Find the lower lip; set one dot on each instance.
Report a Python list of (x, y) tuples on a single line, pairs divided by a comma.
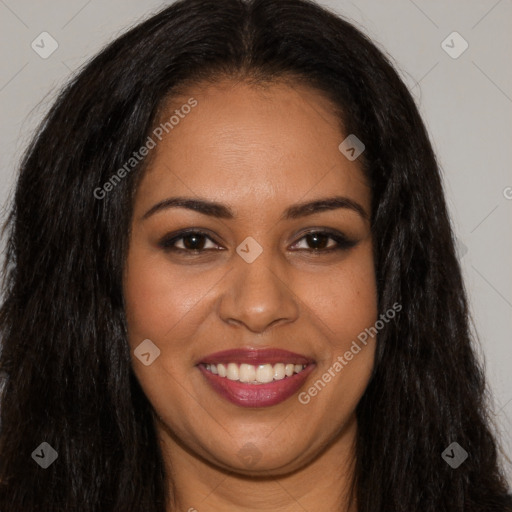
[(257, 395)]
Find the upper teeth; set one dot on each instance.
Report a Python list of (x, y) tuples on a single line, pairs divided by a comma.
[(261, 374)]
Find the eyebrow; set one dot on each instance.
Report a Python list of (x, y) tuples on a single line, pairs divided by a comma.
[(221, 211)]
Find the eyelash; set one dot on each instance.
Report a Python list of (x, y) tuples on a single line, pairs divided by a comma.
[(343, 243)]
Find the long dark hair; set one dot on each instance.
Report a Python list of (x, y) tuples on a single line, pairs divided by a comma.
[(69, 380)]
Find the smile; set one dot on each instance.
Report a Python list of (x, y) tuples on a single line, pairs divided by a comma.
[(261, 374), (256, 378)]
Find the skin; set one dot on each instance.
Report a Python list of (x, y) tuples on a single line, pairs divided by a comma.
[(257, 150)]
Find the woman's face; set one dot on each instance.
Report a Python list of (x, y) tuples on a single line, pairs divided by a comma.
[(252, 281)]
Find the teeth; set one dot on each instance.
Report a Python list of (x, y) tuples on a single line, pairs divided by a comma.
[(233, 371), (221, 369), (279, 371), (247, 373), (261, 374), (265, 373)]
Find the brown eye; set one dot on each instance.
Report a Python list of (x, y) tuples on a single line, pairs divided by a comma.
[(188, 241), (318, 241), (194, 242)]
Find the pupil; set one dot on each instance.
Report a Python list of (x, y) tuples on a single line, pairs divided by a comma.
[(314, 239), (192, 246)]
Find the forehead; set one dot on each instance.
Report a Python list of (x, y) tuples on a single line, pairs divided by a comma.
[(243, 143)]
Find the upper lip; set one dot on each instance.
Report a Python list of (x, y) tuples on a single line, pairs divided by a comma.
[(255, 357)]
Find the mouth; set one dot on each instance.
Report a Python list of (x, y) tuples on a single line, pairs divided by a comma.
[(256, 378)]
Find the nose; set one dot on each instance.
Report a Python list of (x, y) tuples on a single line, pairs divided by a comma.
[(258, 295)]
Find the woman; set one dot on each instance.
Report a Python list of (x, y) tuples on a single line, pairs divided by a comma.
[(231, 283)]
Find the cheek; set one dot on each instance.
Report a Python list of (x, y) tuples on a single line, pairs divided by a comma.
[(164, 305), (345, 299), (158, 298), (345, 305)]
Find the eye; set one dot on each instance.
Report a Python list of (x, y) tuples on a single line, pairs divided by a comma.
[(187, 241), (194, 242), (320, 241)]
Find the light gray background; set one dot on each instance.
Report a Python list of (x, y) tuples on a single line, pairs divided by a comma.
[(466, 103)]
